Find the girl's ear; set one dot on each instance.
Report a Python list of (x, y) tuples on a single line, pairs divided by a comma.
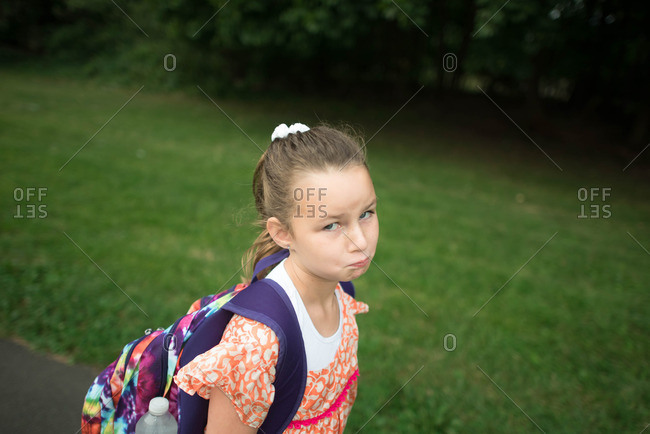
[(278, 232)]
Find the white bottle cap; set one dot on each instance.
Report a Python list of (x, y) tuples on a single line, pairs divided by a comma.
[(158, 406)]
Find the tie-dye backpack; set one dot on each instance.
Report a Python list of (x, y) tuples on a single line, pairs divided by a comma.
[(120, 395)]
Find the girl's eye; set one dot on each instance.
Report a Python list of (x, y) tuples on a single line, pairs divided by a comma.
[(331, 227), (366, 215)]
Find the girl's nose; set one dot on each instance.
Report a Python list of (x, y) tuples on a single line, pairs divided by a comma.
[(357, 238)]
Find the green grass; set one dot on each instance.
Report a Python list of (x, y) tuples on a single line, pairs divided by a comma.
[(160, 200)]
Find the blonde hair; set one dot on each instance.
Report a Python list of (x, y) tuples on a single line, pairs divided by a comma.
[(319, 149)]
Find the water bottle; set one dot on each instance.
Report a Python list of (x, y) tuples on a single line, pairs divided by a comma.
[(158, 420)]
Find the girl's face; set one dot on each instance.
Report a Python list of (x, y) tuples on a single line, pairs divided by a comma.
[(334, 224)]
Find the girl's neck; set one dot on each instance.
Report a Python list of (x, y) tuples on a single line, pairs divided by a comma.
[(313, 290)]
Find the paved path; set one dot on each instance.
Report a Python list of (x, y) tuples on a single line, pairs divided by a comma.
[(40, 394)]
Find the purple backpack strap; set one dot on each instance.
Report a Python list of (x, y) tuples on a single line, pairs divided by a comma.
[(264, 301), (270, 305), (348, 287), (192, 409), (267, 261)]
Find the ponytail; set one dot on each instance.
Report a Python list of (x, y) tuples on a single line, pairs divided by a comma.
[(262, 247)]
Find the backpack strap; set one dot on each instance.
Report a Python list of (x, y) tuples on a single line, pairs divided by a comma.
[(269, 304), (348, 287), (264, 301), (192, 409), (267, 261)]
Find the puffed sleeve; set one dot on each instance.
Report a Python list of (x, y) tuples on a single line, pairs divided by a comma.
[(242, 365)]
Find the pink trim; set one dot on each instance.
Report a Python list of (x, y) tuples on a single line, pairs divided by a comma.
[(335, 406)]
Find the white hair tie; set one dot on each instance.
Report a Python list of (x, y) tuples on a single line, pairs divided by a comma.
[(282, 131)]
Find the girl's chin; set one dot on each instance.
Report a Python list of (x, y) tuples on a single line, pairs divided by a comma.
[(356, 273), (346, 274)]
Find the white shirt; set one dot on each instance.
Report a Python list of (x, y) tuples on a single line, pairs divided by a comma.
[(320, 350)]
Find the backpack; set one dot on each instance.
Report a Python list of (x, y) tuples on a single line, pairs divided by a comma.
[(120, 394)]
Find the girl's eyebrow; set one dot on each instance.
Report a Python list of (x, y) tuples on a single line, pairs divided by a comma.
[(338, 216)]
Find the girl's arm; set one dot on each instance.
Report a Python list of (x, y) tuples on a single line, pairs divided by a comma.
[(222, 417)]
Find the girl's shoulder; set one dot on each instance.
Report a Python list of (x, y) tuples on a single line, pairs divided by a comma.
[(242, 366), (249, 331)]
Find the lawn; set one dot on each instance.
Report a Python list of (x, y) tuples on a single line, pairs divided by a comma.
[(155, 210)]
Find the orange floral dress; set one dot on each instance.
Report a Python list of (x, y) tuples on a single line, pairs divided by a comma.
[(242, 365)]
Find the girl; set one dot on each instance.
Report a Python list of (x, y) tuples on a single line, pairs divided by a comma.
[(314, 197)]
